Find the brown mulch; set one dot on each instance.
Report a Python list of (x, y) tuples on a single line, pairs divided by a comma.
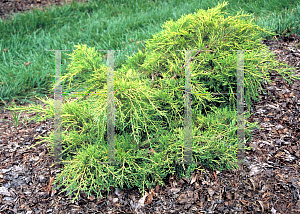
[(9, 7), (268, 182)]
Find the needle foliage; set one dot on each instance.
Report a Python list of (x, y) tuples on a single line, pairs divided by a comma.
[(149, 104)]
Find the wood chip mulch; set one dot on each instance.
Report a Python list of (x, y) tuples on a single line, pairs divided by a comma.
[(9, 7), (268, 182)]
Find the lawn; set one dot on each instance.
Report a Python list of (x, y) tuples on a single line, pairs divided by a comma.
[(26, 68)]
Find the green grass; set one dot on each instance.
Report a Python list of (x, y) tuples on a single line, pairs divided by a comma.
[(123, 25)]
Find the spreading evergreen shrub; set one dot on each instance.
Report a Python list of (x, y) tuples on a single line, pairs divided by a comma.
[(149, 104)]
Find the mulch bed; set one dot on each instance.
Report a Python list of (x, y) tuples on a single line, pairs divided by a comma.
[(268, 182), (9, 7)]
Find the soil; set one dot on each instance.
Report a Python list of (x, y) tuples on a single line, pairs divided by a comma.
[(268, 181)]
